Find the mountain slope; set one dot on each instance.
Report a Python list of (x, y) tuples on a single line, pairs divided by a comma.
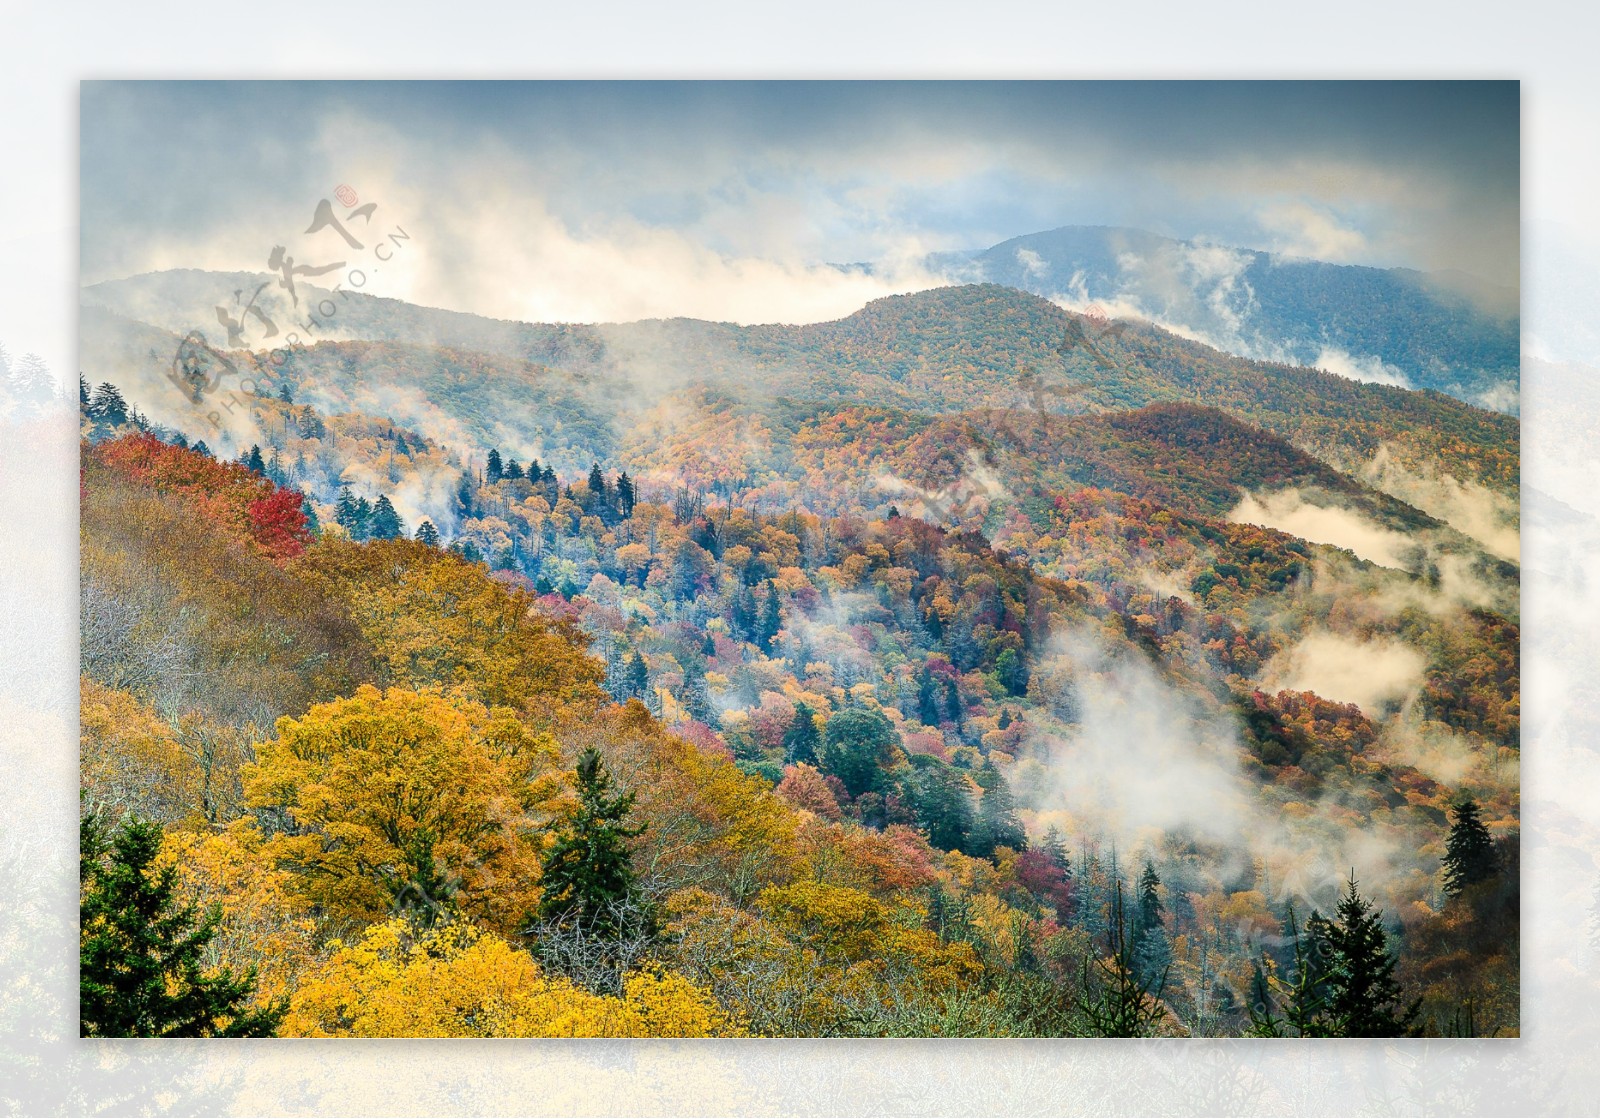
[(942, 350), (1432, 329)]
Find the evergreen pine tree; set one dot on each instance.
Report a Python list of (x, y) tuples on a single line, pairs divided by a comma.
[(495, 470), (697, 696), (771, 620), (1151, 913), (254, 462), (1054, 848), (466, 497), (927, 699), (346, 515), (997, 824), (363, 519), (141, 955), (32, 384), (200, 448), (1304, 998), (1115, 998), (107, 409), (427, 534), (626, 497), (952, 702), (1470, 856), (284, 394), (943, 804), (638, 680), (1093, 896), (1366, 999), (1152, 950), (800, 741), (385, 523), (588, 880), (744, 614)]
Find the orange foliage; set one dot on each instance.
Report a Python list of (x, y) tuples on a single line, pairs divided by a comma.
[(243, 503)]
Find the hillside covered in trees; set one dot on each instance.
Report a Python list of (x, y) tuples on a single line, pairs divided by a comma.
[(964, 667), (1436, 331)]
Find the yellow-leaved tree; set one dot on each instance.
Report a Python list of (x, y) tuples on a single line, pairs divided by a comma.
[(457, 981), (431, 618), (410, 800), (130, 761), (709, 823), (264, 923)]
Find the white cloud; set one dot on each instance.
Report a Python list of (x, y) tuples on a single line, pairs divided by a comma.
[(1033, 262), (1490, 518), (1351, 367), (1369, 674), (1302, 229), (1288, 511)]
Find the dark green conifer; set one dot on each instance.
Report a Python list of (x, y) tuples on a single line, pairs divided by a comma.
[(1366, 1000), (638, 683), (142, 969), (800, 741), (385, 523), (1470, 856), (588, 878)]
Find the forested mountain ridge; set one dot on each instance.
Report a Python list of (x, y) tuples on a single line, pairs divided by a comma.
[(1439, 331), (947, 349)]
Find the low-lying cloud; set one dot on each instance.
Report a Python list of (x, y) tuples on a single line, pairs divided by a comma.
[(1288, 511), (1375, 675), (1352, 367), (1488, 517)]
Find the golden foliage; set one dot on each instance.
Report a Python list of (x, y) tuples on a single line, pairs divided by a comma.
[(456, 981), (266, 924), (434, 619), (813, 959), (129, 761), (393, 794), (710, 824)]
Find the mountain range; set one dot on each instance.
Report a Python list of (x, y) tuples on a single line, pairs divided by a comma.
[(1444, 331)]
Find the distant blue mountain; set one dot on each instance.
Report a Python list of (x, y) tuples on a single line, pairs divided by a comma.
[(1426, 330)]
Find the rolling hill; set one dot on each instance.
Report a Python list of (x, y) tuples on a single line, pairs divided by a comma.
[(1434, 330)]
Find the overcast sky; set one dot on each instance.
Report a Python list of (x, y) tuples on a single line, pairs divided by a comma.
[(586, 201)]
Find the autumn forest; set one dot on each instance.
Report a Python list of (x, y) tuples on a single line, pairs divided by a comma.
[(965, 667)]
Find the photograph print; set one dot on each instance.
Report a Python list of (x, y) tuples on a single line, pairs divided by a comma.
[(799, 559)]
